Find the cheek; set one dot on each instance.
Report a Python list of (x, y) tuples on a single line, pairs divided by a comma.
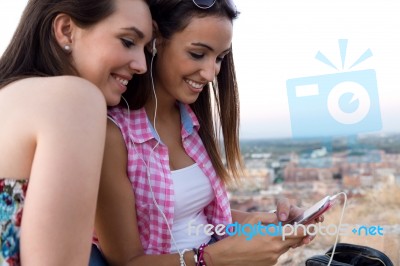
[(82, 61), (169, 79), (173, 70), (92, 65), (166, 71)]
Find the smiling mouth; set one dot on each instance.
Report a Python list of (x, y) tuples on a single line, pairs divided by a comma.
[(194, 84), (121, 80)]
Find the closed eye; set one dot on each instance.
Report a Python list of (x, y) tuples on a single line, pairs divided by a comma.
[(127, 43), (219, 59), (222, 56), (196, 55)]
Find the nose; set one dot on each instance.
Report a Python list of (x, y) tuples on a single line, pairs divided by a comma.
[(210, 70), (138, 63)]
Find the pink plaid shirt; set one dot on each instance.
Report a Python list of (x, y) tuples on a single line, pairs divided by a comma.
[(153, 229)]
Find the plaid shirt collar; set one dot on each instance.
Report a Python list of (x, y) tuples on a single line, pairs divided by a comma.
[(188, 119)]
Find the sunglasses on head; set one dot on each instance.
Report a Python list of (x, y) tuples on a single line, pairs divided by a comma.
[(205, 4)]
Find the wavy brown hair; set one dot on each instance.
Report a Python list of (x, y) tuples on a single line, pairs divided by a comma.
[(34, 51), (217, 108)]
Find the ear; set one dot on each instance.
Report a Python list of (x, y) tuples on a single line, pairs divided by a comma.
[(63, 28), (156, 35)]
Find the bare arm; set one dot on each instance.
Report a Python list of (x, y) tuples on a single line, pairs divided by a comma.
[(116, 225), (69, 131)]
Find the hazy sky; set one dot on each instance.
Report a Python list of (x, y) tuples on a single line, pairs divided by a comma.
[(275, 41)]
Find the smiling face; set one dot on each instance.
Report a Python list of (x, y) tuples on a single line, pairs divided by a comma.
[(192, 58), (109, 53)]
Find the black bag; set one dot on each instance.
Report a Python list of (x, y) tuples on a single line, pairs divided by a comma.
[(351, 255)]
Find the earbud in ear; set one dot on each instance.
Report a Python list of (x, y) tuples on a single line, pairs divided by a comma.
[(154, 49)]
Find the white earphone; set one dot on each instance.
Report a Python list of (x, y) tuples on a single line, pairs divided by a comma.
[(154, 49)]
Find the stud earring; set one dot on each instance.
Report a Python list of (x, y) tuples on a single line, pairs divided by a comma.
[(67, 48)]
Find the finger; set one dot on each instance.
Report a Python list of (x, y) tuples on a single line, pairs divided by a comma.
[(307, 239), (283, 208), (319, 219), (295, 212), (293, 232), (310, 229), (311, 237)]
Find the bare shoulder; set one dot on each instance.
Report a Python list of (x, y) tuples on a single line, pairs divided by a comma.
[(52, 101), (60, 88), (45, 111), (62, 91)]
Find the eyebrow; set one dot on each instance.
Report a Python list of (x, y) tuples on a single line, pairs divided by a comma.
[(208, 47), (136, 30)]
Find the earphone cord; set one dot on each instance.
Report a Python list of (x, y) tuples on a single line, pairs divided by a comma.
[(158, 142), (340, 223), (155, 99), (147, 165)]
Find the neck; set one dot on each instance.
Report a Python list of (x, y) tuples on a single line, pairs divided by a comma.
[(166, 109)]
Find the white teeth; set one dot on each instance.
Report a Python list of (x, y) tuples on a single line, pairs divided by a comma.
[(194, 84), (122, 81)]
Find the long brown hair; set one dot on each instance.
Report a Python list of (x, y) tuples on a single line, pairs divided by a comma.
[(173, 16), (34, 51)]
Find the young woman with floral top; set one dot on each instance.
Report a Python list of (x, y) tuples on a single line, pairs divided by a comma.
[(67, 60)]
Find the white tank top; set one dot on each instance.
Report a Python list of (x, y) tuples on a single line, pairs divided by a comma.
[(193, 192)]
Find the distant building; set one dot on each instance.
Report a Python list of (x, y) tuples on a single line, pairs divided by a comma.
[(351, 181)]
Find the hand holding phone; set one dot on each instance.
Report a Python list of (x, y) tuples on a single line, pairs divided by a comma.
[(314, 212)]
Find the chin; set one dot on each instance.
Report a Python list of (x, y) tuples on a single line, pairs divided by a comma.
[(113, 101), (189, 100)]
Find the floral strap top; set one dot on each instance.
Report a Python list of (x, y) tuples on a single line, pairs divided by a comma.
[(12, 195)]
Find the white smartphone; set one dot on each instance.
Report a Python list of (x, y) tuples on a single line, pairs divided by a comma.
[(314, 212)]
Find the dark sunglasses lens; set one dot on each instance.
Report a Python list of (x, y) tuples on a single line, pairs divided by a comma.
[(204, 3), (231, 4)]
